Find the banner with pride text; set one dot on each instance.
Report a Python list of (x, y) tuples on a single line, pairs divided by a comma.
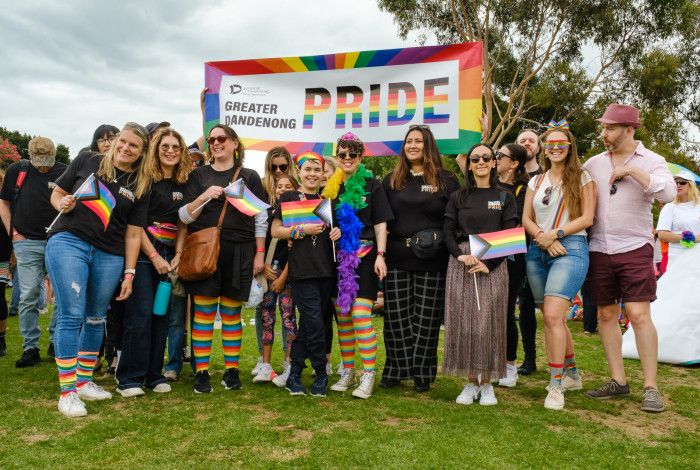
[(306, 103)]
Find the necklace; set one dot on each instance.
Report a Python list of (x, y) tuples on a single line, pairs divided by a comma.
[(124, 173), (416, 173)]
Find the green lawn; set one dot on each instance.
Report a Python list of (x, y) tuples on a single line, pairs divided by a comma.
[(261, 426)]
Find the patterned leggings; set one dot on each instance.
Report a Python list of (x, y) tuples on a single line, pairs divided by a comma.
[(357, 326), (203, 330), (269, 316)]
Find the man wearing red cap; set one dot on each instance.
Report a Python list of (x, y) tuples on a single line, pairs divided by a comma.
[(629, 178)]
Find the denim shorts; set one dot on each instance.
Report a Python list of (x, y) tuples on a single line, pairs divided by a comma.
[(560, 276)]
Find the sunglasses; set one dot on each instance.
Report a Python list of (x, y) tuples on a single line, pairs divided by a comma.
[(485, 157), (499, 155), (613, 188), (165, 147), (283, 167), (681, 182), (554, 144), (220, 139), (347, 155), (547, 195)]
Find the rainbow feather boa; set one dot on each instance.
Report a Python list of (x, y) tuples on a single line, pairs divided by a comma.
[(350, 226), (688, 239)]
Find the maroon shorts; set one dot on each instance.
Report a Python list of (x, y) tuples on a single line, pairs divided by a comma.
[(622, 277)]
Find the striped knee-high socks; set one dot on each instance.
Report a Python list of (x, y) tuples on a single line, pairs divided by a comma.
[(364, 332), (231, 331), (66, 374), (346, 339), (203, 330), (85, 367)]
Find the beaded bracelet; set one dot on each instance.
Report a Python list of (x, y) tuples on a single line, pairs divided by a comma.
[(296, 232)]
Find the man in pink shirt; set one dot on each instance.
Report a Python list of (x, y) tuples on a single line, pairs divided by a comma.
[(628, 178)]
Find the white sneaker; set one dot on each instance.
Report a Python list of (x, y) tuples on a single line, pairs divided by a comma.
[(162, 388), (329, 369), (93, 392), (469, 393), (364, 390), (72, 406), (265, 374), (570, 383), (511, 378), (281, 379), (488, 396), (257, 367), (347, 380), (339, 369), (131, 392), (555, 398), (170, 375)]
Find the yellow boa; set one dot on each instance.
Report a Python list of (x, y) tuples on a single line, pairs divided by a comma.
[(333, 185)]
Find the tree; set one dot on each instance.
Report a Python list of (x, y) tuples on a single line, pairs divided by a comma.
[(21, 142), (535, 52)]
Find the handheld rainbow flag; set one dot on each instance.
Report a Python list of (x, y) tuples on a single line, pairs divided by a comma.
[(243, 199), (324, 211), (164, 233), (498, 244), (301, 212), (100, 200), (87, 190)]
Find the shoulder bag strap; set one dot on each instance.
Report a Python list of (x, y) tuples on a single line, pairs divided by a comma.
[(226, 203)]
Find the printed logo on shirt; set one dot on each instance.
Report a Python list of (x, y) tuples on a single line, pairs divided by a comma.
[(177, 196), (364, 198), (52, 185), (495, 205), (428, 188), (126, 193)]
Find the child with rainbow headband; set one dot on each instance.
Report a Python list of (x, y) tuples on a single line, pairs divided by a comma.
[(311, 275), (361, 211)]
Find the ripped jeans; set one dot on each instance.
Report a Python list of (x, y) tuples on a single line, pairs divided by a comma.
[(84, 280)]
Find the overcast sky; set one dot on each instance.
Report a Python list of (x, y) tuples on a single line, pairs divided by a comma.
[(69, 66)]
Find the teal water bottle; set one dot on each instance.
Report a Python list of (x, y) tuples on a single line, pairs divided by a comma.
[(162, 299)]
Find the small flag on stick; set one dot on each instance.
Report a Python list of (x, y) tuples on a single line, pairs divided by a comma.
[(243, 199)]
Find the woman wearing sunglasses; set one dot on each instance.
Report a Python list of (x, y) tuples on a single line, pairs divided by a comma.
[(681, 218), (559, 207), (414, 291), (475, 307), (242, 253)]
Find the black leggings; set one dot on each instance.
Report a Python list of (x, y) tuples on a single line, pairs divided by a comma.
[(528, 322), (516, 276), (3, 302)]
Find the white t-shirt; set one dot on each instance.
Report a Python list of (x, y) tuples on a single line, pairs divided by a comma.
[(678, 218), (547, 215)]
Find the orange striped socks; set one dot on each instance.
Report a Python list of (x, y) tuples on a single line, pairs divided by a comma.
[(364, 332), (231, 331), (85, 367), (66, 374), (203, 330)]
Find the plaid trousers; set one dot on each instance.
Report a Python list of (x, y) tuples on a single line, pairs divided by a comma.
[(414, 308)]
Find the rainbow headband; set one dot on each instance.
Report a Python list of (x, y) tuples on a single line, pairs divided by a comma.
[(304, 157)]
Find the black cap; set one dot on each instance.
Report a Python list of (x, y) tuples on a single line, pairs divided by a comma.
[(152, 127)]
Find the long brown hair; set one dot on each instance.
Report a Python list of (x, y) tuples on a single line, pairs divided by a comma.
[(183, 167), (432, 164), (571, 177), (269, 177), (107, 171)]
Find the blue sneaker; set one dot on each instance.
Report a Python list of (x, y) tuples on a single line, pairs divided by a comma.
[(294, 385), (319, 387)]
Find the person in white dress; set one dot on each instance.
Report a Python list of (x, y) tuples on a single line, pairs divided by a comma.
[(680, 216)]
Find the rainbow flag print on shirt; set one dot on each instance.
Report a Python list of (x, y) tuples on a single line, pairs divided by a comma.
[(243, 199), (498, 244), (300, 212), (97, 197)]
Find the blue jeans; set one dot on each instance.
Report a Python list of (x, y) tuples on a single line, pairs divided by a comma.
[(14, 303), (30, 287), (84, 280), (560, 276), (176, 332)]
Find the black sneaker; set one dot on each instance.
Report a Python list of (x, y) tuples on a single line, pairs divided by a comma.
[(389, 383), (51, 352), (527, 367), (3, 346), (420, 385), (294, 385), (320, 386), (202, 382), (230, 380), (29, 358), (609, 390)]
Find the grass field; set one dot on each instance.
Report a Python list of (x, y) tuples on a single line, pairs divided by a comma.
[(261, 426)]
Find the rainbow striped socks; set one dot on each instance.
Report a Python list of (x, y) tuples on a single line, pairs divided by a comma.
[(570, 366), (364, 332), (85, 367), (203, 330), (231, 331), (555, 372), (66, 374), (346, 339)]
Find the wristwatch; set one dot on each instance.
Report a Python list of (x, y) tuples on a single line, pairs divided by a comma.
[(560, 234)]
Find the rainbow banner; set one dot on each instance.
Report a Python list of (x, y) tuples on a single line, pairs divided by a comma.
[(243, 199), (305, 103), (95, 195), (301, 212), (498, 244)]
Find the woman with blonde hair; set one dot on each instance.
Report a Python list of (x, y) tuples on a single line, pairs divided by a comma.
[(559, 207), (679, 222), (103, 204)]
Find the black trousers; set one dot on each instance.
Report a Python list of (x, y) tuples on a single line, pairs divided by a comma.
[(516, 277), (528, 322), (590, 311), (311, 297)]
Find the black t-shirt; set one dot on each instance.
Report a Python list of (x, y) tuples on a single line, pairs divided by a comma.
[(86, 220), (375, 212), (166, 199), (237, 227), (538, 171), (483, 210), (417, 206), (281, 248), (32, 212), (518, 191), (308, 259)]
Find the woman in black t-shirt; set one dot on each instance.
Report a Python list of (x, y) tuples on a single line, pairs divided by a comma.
[(418, 189), (145, 334), (242, 253), (361, 211), (103, 202), (475, 307)]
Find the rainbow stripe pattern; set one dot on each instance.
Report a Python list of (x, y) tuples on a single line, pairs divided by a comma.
[(300, 212), (498, 244), (165, 233), (324, 211), (365, 248), (468, 55), (559, 214), (243, 199), (66, 374), (97, 197)]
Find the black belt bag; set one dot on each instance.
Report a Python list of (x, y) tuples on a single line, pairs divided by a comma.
[(426, 244)]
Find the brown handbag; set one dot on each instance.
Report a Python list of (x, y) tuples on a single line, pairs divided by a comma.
[(200, 254)]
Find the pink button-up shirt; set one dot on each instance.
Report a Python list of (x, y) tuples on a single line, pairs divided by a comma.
[(623, 221)]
